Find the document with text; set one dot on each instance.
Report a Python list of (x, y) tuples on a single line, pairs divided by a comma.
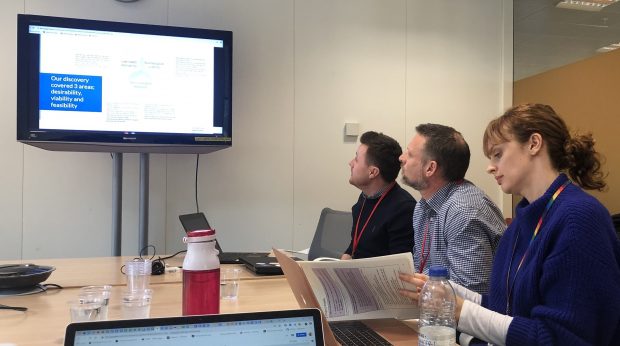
[(362, 288)]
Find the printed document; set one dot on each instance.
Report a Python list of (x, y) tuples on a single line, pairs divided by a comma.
[(362, 288)]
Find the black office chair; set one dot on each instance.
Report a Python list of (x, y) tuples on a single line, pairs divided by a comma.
[(616, 220), (332, 235)]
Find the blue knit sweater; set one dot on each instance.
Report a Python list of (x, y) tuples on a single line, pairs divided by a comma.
[(568, 289)]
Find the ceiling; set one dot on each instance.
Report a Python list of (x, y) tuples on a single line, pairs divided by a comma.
[(546, 37)]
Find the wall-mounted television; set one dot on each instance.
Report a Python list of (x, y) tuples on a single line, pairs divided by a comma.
[(89, 85)]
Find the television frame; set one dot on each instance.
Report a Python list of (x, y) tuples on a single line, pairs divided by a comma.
[(28, 107)]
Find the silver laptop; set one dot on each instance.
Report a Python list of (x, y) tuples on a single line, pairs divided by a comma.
[(269, 328), (345, 333)]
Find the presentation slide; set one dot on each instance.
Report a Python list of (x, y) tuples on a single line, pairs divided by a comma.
[(110, 81)]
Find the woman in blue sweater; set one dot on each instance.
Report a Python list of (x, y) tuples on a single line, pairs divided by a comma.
[(556, 274)]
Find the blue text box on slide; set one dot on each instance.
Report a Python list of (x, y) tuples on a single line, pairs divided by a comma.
[(69, 92)]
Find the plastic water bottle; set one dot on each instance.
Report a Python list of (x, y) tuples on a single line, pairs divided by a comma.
[(201, 274), (437, 304)]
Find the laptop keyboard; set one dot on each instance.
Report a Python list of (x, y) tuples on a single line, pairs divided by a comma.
[(353, 333)]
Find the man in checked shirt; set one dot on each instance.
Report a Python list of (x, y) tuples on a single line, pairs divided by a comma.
[(455, 224)]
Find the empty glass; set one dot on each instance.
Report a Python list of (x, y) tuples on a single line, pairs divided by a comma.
[(138, 273)]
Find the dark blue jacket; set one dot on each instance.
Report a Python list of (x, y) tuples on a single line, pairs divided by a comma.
[(390, 230), (567, 291)]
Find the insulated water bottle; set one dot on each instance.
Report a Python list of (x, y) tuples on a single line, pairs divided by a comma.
[(201, 274)]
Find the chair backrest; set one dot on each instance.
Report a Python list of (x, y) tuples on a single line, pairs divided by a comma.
[(332, 235), (616, 220)]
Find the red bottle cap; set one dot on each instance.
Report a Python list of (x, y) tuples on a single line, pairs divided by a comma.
[(201, 233)]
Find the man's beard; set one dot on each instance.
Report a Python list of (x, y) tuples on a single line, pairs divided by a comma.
[(418, 185)]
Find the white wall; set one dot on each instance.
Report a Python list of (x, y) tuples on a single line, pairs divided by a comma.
[(459, 73), (11, 152), (301, 70)]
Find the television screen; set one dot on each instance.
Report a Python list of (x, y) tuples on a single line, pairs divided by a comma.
[(87, 85)]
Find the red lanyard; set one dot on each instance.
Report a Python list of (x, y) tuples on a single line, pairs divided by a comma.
[(509, 287), (424, 259), (356, 236)]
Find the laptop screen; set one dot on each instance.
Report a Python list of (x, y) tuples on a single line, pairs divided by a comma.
[(192, 222), (290, 327), (197, 221)]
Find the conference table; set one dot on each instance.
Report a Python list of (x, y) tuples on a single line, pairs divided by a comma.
[(79, 272), (48, 312)]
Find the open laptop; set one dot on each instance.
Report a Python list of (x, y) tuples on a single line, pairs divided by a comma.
[(349, 333), (198, 221), (269, 328)]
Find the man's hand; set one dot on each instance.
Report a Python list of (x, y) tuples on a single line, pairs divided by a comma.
[(418, 280)]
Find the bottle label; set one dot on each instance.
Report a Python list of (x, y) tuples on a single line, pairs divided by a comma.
[(437, 336)]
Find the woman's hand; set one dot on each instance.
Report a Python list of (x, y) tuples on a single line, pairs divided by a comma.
[(418, 280)]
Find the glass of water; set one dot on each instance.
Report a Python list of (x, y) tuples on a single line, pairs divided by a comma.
[(86, 311), (229, 283), (96, 293), (136, 304)]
